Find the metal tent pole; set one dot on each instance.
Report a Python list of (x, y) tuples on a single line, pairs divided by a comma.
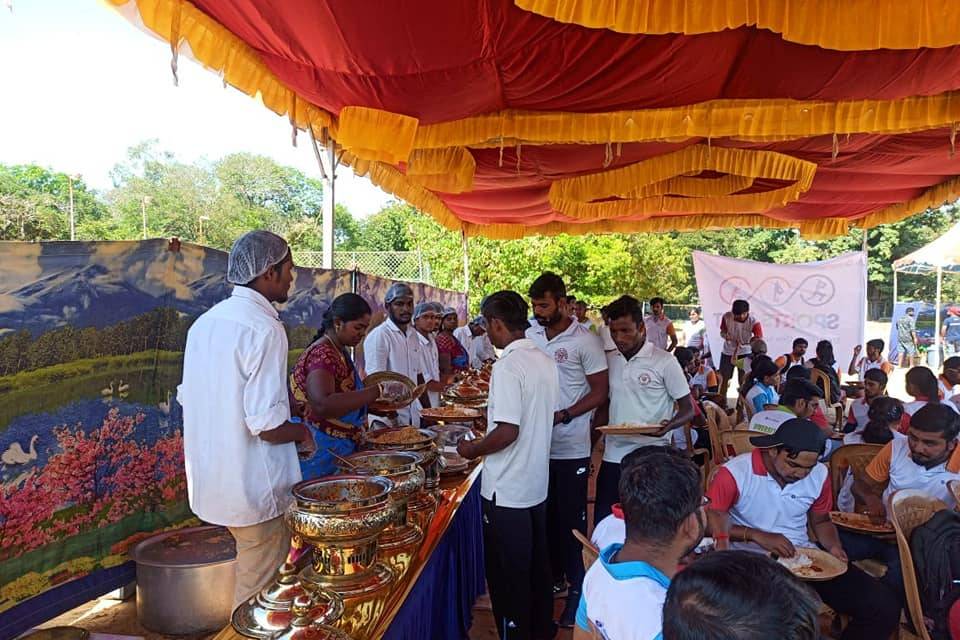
[(936, 318), (329, 200)]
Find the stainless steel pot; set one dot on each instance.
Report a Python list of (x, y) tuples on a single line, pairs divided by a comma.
[(185, 580)]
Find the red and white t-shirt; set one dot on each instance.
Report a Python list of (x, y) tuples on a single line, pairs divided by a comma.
[(910, 408), (739, 334), (744, 489)]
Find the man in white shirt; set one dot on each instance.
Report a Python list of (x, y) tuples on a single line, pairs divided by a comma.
[(624, 591), (873, 360), (874, 386), (240, 448), (774, 498), (426, 317), (394, 345), (798, 399), (581, 312), (473, 337), (583, 387), (524, 392), (660, 330), (645, 384)]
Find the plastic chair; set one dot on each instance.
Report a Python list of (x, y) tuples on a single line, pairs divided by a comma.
[(834, 410), (590, 551), (737, 442), (717, 422), (853, 458), (907, 510)]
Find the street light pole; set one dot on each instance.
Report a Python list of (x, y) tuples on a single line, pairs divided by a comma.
[(202, 218), (73, 219), (143, 212)]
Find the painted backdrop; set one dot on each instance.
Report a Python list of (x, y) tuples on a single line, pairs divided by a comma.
[(91, 454)]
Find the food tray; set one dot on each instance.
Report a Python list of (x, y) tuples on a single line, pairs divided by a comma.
[(860, 523), (388, 376)]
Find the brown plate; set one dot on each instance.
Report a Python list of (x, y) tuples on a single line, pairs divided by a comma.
[(389, 376), (453, 463), (859, 522), (824, 567), (58, 633), (630, 429)]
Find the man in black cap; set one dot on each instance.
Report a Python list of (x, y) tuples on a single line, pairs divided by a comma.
[(762, 501)]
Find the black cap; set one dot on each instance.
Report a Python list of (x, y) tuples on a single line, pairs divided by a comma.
[(798, 434)]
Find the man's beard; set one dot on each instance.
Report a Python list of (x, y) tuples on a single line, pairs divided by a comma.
[(703, 531), (547, 321)]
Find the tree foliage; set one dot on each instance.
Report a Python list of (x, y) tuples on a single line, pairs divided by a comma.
[(243, 191)]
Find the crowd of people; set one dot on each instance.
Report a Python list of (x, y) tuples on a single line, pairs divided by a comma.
[(556, 377)]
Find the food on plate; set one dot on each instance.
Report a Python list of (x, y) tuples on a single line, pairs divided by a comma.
[(860, 522), (797, 562), (406, 435), (450, 412)]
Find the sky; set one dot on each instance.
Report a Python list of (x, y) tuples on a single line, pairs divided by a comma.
[(79, 85)]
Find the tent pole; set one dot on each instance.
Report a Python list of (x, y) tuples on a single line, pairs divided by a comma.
[(936, 319), (464, 247), (894, 291), (329, 201)]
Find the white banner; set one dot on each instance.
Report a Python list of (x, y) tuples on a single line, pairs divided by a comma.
[(817, 300)]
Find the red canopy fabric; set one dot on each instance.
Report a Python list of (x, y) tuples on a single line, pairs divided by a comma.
[(432, 69)]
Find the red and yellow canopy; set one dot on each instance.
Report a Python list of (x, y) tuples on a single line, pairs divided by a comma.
[(506, 118)]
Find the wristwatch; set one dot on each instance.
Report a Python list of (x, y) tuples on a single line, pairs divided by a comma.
[(565, 416)]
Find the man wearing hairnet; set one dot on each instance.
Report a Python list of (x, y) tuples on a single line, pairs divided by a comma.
[(426, 320), (473, 337), (240, 447), (394, 346)]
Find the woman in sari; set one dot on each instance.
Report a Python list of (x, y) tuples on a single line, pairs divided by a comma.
[(453, 357), (326, 388)]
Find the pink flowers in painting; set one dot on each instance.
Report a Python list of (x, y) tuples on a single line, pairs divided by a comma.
[(94, 479)]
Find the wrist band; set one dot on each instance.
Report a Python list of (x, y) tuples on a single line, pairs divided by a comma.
[(721, 536)]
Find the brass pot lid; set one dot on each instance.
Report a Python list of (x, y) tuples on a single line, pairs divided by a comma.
[(58, 633), (303, 626), (270, 612), (382, 463), (342, 493)]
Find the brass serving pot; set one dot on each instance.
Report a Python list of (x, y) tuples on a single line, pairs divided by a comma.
[(341, 517), (427, 446), (401, 467)]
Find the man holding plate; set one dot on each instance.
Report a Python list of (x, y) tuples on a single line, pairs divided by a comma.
[(645, 384), (763, 501)]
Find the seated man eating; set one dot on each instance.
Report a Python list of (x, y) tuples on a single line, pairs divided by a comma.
[(764, 500), (623, 592)]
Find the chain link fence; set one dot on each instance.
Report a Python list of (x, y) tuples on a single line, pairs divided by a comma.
[(399, 265)]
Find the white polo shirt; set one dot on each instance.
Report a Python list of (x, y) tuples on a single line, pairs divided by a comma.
[(605, 339), (657, 330), (387, 348), (865, 364), (478, 348), (622, 600), (769, 420), (524, 390), (577, 354), (642, 391), (895, 466), (947, 390), (234, 388), (744, 489), (610, 530), (430, 364), (859, 414)]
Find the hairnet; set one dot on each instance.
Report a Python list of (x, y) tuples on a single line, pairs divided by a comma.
[(397, 290), (422, 308), (447, 311), (437, 307), (252, 254), (480, 321)]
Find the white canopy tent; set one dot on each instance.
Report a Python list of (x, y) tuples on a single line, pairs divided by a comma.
[(939, 257)]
